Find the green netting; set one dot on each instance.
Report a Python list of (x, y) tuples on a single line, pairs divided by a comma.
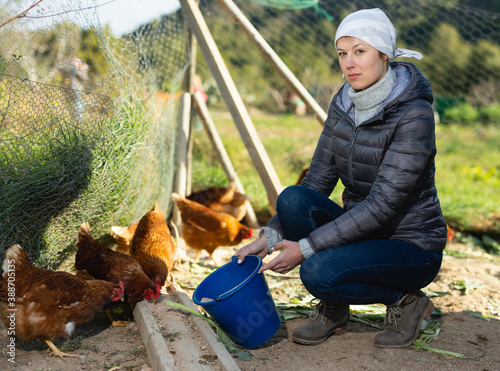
[(295, 5), (287, 4)]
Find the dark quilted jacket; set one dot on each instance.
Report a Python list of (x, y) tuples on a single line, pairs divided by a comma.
[(386, 166)]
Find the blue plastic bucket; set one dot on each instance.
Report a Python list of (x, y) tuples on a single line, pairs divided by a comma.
[(237, 297)]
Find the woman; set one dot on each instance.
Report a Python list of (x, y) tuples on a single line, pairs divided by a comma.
[(386, 242)]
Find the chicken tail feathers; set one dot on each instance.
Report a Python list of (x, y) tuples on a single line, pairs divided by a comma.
[(15, 253), (84, 232), (86, 242)]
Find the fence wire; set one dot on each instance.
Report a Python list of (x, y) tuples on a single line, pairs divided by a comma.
[(87, 122), (460, 44)]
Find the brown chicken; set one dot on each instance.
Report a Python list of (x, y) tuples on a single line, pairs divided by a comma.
[(123, 236), (99, 261), (153, 246), (40, 304), (222, 199), (205, 229)]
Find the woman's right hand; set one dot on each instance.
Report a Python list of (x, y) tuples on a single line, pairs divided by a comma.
[(256, 247)]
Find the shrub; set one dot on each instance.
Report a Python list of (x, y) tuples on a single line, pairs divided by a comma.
[(490, 114), (464, 113)]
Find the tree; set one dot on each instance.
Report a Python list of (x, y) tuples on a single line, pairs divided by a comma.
[(447, 60)]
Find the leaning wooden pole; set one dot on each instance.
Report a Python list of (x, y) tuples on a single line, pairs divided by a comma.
[(233, 100), (273, 59), (222, 155)]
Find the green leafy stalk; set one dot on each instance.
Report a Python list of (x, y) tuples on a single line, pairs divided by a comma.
[(479, 315), (230, 345), (356, 319), (192, 311), (465, 285), (427, 335), (422, 345)]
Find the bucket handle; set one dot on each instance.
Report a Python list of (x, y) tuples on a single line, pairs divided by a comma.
[(219, 298)]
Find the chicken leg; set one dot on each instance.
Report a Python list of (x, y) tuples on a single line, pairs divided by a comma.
[(56, 352), (115, 323)]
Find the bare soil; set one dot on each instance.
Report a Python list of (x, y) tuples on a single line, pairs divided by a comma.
[(461, 332), (102, 347), (98, 345)]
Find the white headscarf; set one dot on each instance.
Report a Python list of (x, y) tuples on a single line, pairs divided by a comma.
[(374, 27)]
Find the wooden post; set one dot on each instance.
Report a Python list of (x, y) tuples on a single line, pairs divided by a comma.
[(233, 100), (188, 87), (183, 134), (190, 72), (273, 59), (224, 159)]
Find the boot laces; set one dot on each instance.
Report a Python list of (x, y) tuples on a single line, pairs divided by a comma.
[(393, 315), (319, 306)]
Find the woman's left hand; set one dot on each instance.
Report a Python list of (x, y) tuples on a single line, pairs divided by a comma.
[(289, 257)]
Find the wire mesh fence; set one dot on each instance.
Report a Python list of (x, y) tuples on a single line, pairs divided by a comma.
[(88, 117), (460, 45), (84, 133)]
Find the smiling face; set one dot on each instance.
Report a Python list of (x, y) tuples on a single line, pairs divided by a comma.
[(361, 63)]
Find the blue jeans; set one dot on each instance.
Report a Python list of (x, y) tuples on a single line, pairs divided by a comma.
[(365, 272)]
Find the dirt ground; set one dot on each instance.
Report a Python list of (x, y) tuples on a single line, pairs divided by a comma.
[(98, 345), (461, 331), (469, 283)]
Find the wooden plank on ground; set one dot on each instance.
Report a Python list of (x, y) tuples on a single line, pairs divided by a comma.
[(160, 357), (192, 344), (208, 333)]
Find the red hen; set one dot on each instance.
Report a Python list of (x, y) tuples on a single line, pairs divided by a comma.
[(153, 246), (46, 304), (101, 262), (205, 229), (222, 199)]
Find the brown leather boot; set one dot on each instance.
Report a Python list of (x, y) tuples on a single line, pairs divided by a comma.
[(403, 320), (327, 319)]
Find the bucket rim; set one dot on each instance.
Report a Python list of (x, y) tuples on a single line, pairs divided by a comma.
[(228, 293), (243, 283)]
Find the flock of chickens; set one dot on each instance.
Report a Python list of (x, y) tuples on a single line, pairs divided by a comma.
[(43, 304)]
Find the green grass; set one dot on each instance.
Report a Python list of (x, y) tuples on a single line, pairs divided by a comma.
[(467, 174), (107, 179)]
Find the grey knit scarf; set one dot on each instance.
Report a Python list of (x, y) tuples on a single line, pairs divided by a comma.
[(368, 101)]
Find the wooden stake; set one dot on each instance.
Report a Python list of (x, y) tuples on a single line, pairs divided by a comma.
[(222, 155), (188, 87), (233, 100), (182, 152)]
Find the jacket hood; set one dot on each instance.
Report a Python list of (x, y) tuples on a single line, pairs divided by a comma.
[(410, 84)]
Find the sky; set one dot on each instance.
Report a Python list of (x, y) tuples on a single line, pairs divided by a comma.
[(125, 15), (121, 15)]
